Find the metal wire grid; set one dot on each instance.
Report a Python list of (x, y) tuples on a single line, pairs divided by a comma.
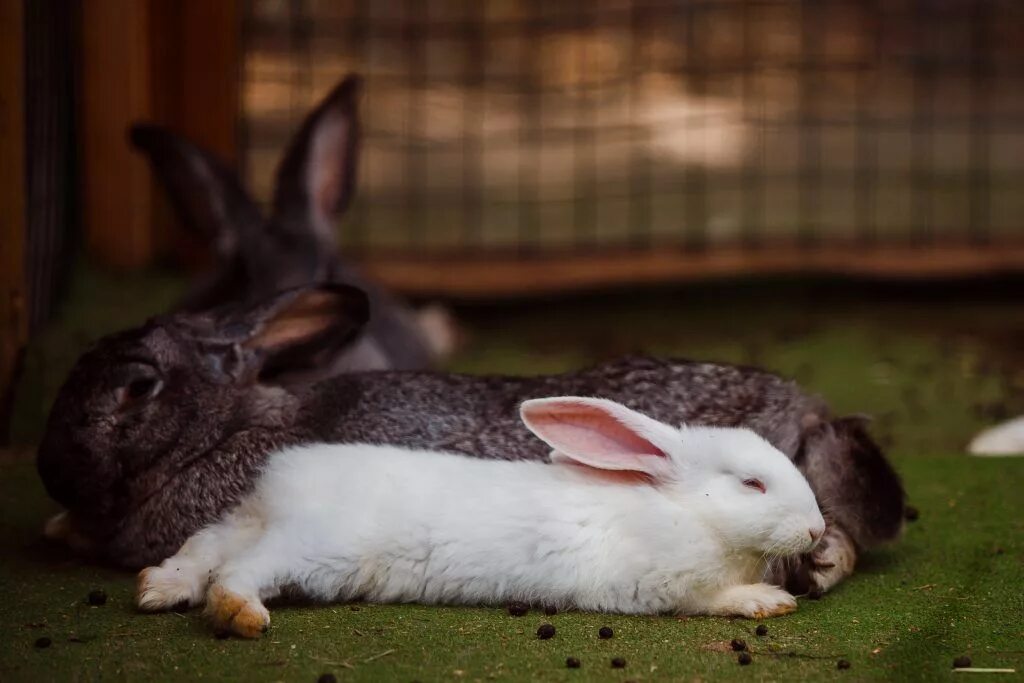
[(594, 125)]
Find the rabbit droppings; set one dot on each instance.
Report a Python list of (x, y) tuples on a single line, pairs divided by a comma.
[(633, 516)]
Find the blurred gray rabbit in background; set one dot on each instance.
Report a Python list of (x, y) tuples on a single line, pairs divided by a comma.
[(258, 256)]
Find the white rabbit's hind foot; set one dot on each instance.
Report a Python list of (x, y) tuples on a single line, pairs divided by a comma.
[(168, 586), (235, 613), (754, 601)]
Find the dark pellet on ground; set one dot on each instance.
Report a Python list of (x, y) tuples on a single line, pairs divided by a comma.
[(618, 663), (96, 598), (962, 662), (605, 632), (550, 610), (738, 645), (518, 609), (744, 658), (842, 664), (572, 663), (43, 642), (545, 631), (911, 513), (814, 594), (327, 678), (761, 630)]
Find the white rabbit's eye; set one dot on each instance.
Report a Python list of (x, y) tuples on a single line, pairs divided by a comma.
[(754, 484)]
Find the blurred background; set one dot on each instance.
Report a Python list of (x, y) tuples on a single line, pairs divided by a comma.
[(736, 135), (780, 182)]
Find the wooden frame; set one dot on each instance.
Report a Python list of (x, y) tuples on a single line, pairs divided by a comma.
[(13, 285), (483, 277), (173, 62)]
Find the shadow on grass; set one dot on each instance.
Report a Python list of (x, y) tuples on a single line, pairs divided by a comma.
[(879, 560)]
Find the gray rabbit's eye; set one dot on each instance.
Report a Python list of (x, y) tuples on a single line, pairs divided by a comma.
[(138, 389), (141, 388)]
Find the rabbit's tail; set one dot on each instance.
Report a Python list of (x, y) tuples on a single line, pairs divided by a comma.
[(440, 330)]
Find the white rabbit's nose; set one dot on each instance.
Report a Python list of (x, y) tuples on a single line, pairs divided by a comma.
[(816, 533)]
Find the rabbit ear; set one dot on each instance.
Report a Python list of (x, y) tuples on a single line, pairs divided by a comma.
[(204, 192), (601, 434), (317, 176), (297, 331)]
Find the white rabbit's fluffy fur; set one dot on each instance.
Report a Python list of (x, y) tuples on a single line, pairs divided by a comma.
[(633, 516)]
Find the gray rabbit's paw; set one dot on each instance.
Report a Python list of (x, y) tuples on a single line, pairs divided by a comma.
[(819, 571), (61, 529), (58, 527), (832, 560)]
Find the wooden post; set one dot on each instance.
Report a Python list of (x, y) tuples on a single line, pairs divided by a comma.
[(204, 81), (115, 87), (13, 294), (173, 62), (196, 55)]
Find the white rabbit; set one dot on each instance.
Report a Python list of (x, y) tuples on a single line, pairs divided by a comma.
[(633, 516)]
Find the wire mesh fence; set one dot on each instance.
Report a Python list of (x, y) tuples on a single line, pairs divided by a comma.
[(529, 127)]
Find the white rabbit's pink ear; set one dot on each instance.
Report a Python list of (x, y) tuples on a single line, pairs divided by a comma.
[(601, 434)]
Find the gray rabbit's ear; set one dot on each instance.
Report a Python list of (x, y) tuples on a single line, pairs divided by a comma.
[(317, 176), (205, 193), (295, 332)]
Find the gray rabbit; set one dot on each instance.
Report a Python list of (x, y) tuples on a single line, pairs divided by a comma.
[(159, 429), (296, 244)]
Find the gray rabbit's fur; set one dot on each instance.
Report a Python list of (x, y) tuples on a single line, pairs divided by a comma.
[(295, 244), (158, 430)]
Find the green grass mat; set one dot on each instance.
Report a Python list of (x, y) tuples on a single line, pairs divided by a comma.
[(930, 369)]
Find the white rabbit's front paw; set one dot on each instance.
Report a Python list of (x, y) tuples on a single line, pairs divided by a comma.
[(235, 613), (169, 585), (754, 601)]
